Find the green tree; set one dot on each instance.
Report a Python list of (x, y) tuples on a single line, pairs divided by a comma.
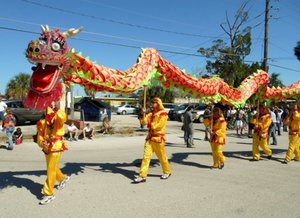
[(166, 95), (18, 87), (297, 50), (275, 81), (227, 59)]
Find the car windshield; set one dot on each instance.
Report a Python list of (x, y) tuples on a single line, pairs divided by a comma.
[(200, 107), (180, 107)]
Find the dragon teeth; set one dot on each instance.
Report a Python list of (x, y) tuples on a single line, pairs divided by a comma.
[(44, 65)]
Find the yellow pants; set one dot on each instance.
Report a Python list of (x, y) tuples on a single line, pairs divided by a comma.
[(217, 154), (53, 173), (263, 143), (293, 148), (159, 150)]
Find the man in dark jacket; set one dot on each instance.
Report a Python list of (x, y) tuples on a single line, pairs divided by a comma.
[(188, 127)]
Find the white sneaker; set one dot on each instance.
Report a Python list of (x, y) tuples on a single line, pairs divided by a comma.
[(63, 183), (47, 199), (139, 179), (165, 176)]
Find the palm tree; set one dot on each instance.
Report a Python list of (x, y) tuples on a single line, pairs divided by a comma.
[(18, 87)]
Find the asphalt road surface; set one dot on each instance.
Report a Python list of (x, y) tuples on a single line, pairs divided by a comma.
[(102, 171)]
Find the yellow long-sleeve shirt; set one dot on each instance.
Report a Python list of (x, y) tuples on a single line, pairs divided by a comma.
[(50, 131), (293, 121), (262, 125), (156, 122)]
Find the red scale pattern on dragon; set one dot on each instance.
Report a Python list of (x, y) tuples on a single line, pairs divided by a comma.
[(57, 64)]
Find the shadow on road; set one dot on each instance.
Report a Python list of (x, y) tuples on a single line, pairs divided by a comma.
[(16, 179)]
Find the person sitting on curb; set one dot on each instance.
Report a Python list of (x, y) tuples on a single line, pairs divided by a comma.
[(88, 132), (72, 132), (106, 126), (18, 136)]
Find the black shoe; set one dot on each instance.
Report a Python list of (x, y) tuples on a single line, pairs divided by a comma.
[(269, 157), (221, 166), (285, 161), (273, 144), (253, 160), (206, 139)]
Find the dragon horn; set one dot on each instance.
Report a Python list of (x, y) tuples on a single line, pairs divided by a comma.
[(71, 32), (45, 28)]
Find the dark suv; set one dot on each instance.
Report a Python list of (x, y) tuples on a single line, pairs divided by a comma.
[(178, 111), (23, 115)]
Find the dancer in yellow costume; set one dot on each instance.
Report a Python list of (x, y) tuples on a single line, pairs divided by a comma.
[(293, 121), (50, 132), (217, 129), (260, 136), (156, 121)]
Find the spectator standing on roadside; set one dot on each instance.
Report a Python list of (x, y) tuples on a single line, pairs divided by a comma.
[(3, 108), (188, 127), (272, 127), (278, 112), (250, 114), (284, 116), (239, 122), (206, 115), (9, 124)]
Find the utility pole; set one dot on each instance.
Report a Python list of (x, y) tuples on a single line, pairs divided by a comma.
[(267, 12)]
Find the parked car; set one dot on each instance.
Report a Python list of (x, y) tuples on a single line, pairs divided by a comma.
[(199, 112), (168, 106), (178, 111), (126, 109), (23, 115)]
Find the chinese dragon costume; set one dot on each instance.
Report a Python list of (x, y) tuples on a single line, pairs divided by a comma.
[(56, 63)]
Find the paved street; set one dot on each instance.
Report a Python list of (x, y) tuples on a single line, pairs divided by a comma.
[(102, 171)]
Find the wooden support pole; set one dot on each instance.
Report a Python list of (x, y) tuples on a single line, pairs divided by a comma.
[(145, 100)]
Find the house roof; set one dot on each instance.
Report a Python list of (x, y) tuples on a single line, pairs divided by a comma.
[(96, 102)]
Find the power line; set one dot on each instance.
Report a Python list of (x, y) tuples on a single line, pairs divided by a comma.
[(115, 21), (100, 34), (18, 30), (135, 47), (286, 68)]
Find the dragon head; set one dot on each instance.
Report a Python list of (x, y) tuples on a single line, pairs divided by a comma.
[(49, 54)]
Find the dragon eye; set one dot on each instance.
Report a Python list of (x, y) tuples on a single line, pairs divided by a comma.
[(56, 46)]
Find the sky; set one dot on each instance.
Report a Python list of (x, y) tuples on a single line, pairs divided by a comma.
[(114, 31)]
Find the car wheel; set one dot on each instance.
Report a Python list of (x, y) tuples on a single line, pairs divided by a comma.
[(123, 112)]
